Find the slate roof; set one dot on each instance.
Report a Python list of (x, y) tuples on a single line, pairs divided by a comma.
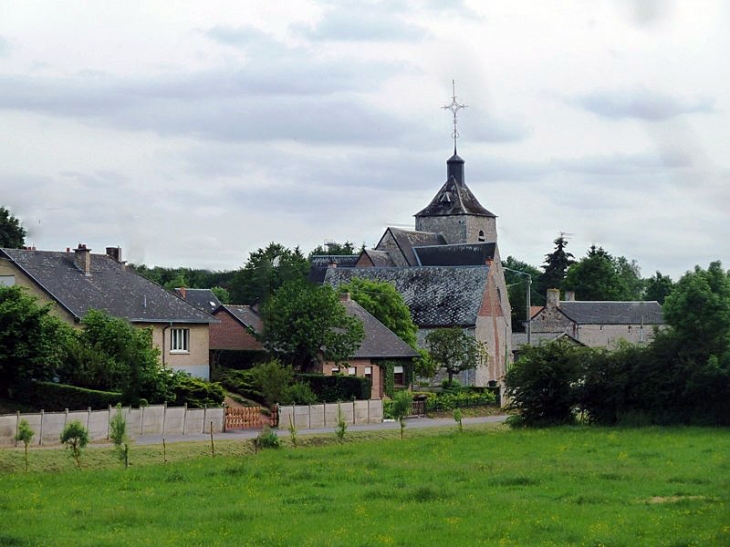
[(613, 313), (407, 239), (110, 287), (379, 342), (459, 254), (437, 296), (537, 338), (380, 259), (320, 263), (203, 299), (246, 315), (454, 199)]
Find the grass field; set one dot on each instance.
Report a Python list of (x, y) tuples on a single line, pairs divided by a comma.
[(486, 486)]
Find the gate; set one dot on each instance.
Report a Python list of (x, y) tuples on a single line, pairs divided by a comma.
[(249, 417)]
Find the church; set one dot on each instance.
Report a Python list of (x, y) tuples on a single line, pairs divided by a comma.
[(447, 270)]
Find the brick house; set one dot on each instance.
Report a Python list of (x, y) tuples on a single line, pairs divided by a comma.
[(380, 344), (78, 281)]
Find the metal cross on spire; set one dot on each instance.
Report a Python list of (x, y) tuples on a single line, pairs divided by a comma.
[(454, 107)]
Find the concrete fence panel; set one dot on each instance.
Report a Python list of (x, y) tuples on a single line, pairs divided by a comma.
[(150, 420), (325, 415)]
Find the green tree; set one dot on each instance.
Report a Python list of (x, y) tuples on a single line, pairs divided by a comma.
[(402, 408), (24, 435), (555, 266), (658, 287), (75, 437), (12, 233), (111, 354), (266, 271), (333, 248), (118, 434), (32, 341), (222, 295), (386, 304), (601, 277), (517, 290), (698, 310), (454, 351), (304, 323)]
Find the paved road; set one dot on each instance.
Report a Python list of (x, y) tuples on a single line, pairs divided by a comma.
[(413, 423)]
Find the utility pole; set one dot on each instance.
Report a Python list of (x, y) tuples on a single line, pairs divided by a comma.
[(528, 315)]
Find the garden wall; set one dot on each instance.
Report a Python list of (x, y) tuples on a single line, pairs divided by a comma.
[(325, 415), (149, 420)]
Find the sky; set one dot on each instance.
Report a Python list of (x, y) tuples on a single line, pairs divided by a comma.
[(192, 133)]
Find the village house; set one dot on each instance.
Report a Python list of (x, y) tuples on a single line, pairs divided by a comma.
[(597, 324), (77, 281)]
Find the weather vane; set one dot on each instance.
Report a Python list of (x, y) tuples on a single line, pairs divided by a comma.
[(454, 107)]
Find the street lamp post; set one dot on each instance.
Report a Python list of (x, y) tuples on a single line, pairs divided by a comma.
[(528, 315)]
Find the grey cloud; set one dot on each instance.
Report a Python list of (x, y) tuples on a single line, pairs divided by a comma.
[(640, 104), (355, 22)]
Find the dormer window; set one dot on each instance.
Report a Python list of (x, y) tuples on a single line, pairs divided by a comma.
[(445, 197)]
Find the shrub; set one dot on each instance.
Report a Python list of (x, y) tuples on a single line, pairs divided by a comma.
[(401, 408), (267, 439), (341, 428), (299, 394), (57, 397), (332, 389), (197, 393), (544, 384)]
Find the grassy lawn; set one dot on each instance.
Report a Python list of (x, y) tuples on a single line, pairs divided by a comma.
[(486, 486)]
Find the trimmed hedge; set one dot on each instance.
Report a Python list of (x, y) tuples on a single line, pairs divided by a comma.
[(332, 389), (58, 397)]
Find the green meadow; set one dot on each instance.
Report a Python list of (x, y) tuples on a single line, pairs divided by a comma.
[(486, 486)]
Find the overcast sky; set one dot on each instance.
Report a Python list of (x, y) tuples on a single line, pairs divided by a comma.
[(192, 133)]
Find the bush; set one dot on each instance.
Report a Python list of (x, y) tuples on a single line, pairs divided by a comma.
[(75, 437), (267, 439), (299, 394), (336, 388), (57, 397), (195, 392), (543, 384)]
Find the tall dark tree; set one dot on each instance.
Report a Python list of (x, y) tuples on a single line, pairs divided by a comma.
[(599, 276), (517, 290), (658, 287), (12, 233), (555, 266), (265, 271)]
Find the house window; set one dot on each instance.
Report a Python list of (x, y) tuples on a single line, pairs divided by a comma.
[(352, 371), (180, 341), (399, 377), (7, 280), (369, 373), (481, 235)]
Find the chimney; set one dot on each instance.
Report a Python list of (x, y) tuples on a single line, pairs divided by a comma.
[(570, 296), (183, 291), (553, 298), (115, 253), (82, 259)]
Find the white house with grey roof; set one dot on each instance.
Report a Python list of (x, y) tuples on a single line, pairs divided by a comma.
[(77, 281)]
